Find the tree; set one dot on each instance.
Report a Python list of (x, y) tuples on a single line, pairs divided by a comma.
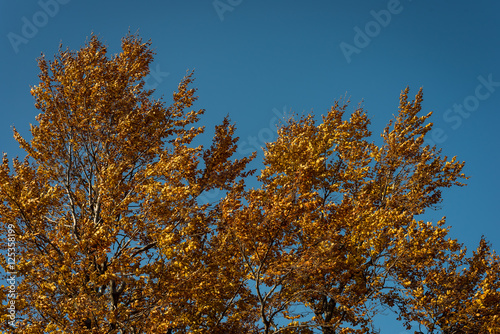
[(112, 234)]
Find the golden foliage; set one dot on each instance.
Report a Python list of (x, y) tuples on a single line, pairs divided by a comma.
[(112, 235)]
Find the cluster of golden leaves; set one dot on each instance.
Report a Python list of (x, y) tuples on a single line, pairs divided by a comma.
[(112, 235)]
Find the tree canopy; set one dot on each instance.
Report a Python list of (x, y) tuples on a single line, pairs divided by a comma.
[(112, 236)]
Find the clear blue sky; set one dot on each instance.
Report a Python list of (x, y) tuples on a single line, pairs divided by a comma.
[(254, 59)]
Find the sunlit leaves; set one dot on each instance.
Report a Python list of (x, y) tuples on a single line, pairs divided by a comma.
[(108, 227), (113, 237)]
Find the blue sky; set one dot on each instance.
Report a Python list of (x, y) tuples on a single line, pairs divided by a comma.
[(255, 60)]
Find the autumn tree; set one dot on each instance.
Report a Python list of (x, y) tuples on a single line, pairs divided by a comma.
[(334, 229), (113, 236)]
